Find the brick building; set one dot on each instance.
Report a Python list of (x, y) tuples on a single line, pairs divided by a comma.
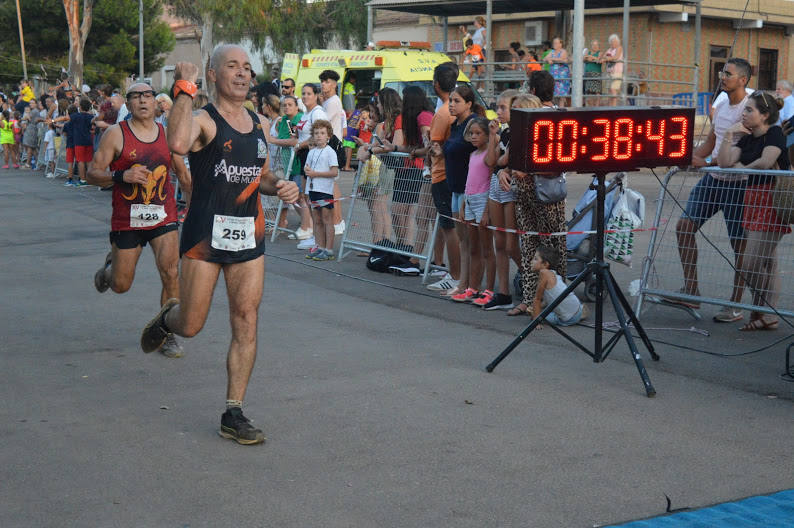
[(662, 34)]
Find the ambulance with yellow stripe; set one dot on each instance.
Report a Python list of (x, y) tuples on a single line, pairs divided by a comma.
[(393, 64)]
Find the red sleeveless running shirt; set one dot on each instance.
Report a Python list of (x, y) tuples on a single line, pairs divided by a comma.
[(137, 206)]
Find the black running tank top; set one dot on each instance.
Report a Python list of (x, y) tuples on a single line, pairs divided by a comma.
[(225, 222)]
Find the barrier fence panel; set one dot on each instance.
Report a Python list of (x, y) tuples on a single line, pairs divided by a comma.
[(281, 159), (61, 166), (392, 209), (753, 219)]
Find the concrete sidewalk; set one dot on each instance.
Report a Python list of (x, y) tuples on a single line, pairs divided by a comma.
[(374, 399)]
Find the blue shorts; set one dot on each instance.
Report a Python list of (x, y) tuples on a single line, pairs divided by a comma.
[(300, 180), (554, 319), (457, 202), (711, 195)]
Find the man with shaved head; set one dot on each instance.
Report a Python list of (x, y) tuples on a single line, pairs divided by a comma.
[(225, 227), (133, 157)]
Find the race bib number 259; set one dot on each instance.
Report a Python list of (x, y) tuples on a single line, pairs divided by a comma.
[(233, 233)]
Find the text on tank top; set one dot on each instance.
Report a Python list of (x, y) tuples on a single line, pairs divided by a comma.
[(148, 206), (225, 214)]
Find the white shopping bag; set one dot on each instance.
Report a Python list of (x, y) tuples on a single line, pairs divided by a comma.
[(619, 241)]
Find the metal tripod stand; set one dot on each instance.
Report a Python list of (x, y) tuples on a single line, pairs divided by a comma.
[(604, 281)]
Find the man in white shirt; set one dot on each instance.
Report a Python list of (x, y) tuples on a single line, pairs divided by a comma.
[(332, 105), (716, 192)]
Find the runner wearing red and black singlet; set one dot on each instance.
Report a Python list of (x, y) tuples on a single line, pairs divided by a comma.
[(133, 156), (225, 223), (143, 207), (224, 228)]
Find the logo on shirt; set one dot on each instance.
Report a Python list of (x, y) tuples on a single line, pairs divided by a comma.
[(261, 148), (154, 189), (236, 173), (133, 154), (227, 147)]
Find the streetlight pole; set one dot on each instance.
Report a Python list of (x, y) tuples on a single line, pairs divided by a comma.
[(140, 40), (22, 43)]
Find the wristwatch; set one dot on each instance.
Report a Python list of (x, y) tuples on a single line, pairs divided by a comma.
[(185, 87)]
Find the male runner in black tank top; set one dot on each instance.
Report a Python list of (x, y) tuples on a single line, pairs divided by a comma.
[(224, 140)]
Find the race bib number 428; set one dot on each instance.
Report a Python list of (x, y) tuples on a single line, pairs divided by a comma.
[(146, 215), (233, 233)]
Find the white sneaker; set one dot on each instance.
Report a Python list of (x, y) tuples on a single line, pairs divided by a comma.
[(339, 229), (446, 283), (50, 175), (301, 234), (307, 243)]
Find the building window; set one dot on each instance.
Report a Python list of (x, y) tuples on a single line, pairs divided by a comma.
[(767, 69), (533, 33), (718, 56)]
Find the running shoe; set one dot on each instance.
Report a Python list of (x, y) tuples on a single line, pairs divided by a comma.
[(339, 229), (323, 255), (728, 315), (171, 348), (101, 282), (69, 183), (50, 175), (468, 295), (499, 301), (235, 426), (438, 273), (154, 333), (446, 283), (485, 297), (312, 252), (5, 166), (307, 243), (16, 165)]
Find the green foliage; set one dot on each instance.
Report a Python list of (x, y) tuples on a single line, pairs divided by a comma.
[(111, 52), (287, 25)]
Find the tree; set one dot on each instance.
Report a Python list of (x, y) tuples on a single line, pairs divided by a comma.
[(78, 33), (279, 25), (111, 49)]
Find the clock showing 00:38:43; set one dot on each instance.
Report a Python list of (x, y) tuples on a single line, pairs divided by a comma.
[(600, 139)]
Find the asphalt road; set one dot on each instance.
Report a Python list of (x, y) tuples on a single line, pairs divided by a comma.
[(372, 394)]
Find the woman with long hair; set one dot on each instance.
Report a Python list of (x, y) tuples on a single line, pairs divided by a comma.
[(532, 215), (758, 143), (463, 107), (286, 137), (374, 192), (412, 135)]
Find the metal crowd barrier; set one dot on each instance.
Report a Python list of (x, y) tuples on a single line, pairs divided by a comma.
[(392, 209), (271, 205), (662, 275), (61, 166)]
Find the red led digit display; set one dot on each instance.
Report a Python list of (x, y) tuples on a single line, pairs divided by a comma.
[(600, 140)]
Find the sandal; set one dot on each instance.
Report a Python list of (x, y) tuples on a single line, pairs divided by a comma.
[(519, 309), (759, 324)]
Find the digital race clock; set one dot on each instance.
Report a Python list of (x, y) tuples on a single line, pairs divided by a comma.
[(600, 139)]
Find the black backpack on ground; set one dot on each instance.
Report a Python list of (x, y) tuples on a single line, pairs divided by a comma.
[(380, 259)]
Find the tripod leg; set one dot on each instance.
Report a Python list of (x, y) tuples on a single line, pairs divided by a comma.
[(611, 287), (539, 318), (635, 321)]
